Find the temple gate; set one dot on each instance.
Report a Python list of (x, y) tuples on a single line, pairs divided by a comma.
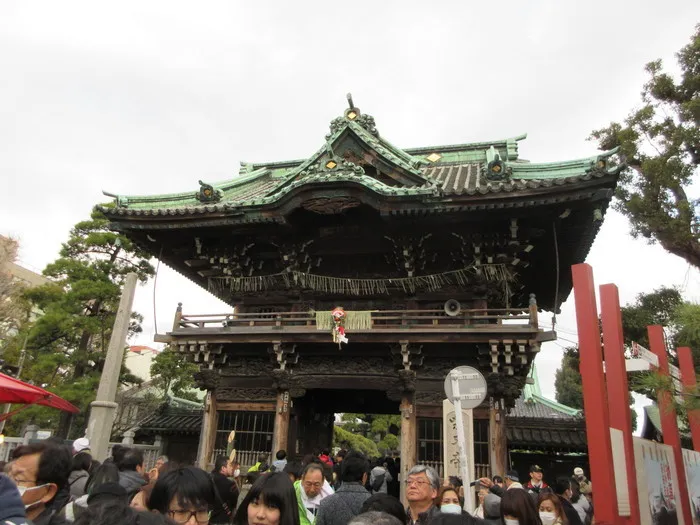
[(424, 259)]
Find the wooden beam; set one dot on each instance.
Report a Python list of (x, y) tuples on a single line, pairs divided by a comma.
[(281, 430), (498, 443), (409, 439)]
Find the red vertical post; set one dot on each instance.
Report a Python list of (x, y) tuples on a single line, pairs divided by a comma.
[(618, 389), (595, 398), (685, 360), (669, 420)]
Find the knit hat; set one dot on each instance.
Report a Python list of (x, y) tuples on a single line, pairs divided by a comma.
[(578, 471), (492, 506), (81, 444)]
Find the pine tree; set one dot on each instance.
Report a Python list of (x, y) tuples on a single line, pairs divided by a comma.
[(660, 143), (66, 346)]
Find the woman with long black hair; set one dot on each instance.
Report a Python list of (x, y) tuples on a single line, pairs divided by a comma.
[(518, 508), (270, 501)]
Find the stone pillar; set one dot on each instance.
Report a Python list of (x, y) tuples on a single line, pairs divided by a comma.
[(103, 409), (128, 438), (498, 443), (31, 432), (281, 432), (409, 439)]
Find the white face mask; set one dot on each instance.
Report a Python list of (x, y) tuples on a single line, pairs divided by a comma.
[(511, 522), (451, 508), (236, 473), (547, 518), (22, 490)]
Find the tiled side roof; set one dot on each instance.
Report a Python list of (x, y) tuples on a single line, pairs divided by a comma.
[(535, 408), (172, 422), (546, 438)]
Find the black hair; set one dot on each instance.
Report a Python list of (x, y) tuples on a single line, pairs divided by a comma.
[(455, 481), (118, 452), (312, 466), (132, 459), (497, 479), (353, 467), (191, 485), (281, 454), (105, 473), (262, 458), (221, 461), (273, 490), (342, 453), (385, 503), (561, 485), (519, 504), (293, 468), (116, 513), (82, 461), (325, 452), (54, 462)]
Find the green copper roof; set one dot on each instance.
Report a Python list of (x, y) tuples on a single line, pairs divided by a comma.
[(434, 172)]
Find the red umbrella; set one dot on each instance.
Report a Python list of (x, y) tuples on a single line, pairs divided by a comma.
[(15, 391)]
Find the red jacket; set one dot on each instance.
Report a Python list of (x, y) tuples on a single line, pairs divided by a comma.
[(326, 459)]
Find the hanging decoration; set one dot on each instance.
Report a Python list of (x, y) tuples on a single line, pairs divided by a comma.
[(359, 287), (338, 316)]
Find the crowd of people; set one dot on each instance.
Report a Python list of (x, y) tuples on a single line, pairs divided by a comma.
[(47, 483)]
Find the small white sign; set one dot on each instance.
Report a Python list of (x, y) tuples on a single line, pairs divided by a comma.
[(649, 356)]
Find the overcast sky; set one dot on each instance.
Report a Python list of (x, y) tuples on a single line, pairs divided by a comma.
[(139, 97)]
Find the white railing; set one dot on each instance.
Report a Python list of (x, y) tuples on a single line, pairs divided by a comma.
[(150, 452), (9, 444), (247, 458)]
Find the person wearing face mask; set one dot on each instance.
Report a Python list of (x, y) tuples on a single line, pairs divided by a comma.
[(448, 501), (40, 471), (551, 510), (227, 491), (517, 508)]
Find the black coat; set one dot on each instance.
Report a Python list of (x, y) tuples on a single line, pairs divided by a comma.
[(571, 513), (227, 500)]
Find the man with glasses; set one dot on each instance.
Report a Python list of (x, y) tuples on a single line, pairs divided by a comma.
[(311, 489), (422, 485), (227, 491), (40, 471)]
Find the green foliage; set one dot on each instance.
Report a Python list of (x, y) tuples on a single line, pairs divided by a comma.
[(173, 374), (660, 143), (382, 429), (567, 380), (344, 439), (66, 347), (665, 307)]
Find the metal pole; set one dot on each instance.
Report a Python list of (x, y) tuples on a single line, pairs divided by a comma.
[(461, 443)]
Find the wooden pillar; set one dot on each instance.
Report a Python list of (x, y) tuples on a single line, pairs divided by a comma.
[(498, 443), (409, 439), (685, 360), (669, 419), (207, 435), (281, 431), (595, 396), (618, 396)]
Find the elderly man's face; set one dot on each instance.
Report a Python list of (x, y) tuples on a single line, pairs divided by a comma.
[(23, 471), (418, 488), (312, 483)]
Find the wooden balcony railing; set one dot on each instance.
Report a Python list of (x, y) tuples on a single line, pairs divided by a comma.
[(379, 320)]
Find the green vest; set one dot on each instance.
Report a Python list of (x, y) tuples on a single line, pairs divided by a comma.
[(303, 519)]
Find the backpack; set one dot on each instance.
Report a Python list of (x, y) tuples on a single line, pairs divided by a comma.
[(378, 482)]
